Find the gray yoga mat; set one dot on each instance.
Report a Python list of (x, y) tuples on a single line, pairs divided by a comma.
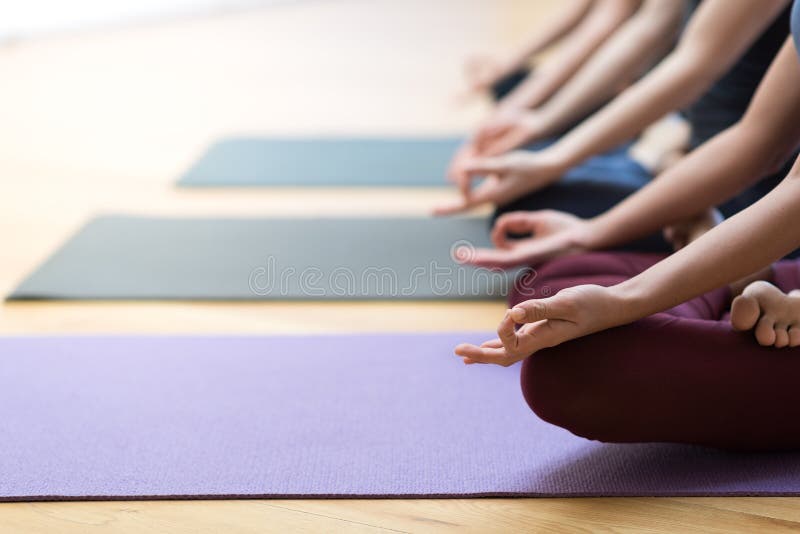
[(119, 257), (329, 416), (324, 162)]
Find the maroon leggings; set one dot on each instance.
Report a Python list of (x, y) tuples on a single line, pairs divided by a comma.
[(682, 376)]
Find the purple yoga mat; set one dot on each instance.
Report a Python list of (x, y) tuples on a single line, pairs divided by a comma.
[(328, 416)]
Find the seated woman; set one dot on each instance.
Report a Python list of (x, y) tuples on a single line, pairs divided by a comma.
[(723, 53), (633, 349)]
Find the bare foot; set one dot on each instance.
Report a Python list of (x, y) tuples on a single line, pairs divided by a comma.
[(774, 315)]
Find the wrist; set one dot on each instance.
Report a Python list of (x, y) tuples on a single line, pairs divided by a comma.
[(629, 300), (539, 126), (557, 158), (597, 233), (553, 161), (579, 238)]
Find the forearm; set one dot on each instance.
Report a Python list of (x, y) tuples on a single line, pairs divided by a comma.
[(718, 35), (710, 175), (637, 44), (564, 62), (758, 144), (740, 246), (676, 82)]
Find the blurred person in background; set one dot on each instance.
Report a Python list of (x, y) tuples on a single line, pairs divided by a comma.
[(711, 74)]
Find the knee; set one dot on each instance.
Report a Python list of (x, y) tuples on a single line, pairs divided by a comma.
[(609, 386), (586, 385), (554, 388)]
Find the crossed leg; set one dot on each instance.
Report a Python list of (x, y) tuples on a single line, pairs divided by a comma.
[(684, 375)]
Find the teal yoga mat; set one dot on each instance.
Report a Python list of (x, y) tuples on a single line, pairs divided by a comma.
[(121, 257), (320, 161)]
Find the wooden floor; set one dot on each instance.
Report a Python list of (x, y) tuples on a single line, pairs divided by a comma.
[(104, 121)]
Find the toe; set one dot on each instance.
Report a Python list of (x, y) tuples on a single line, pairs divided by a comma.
[(781, 336), (765, 331), (744, 312), (762, 289), (794, 336)]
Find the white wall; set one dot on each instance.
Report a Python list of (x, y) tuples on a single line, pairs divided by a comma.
[(24, 18)]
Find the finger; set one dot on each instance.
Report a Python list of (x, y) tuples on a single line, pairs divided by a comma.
[(526, 328), (512, 139), (531, 251), (484, 166), (489, 136), (451, 208), (456, 168), (498, 126), (539, 309), (507, 187), (453, 170), (507, 333), (492, 344), (464, 202), (468, 350), (481, 355), (544, 334), (463, 179), (487, 191), (490, 258), (464, 182), (485, 130), (517, 222)]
